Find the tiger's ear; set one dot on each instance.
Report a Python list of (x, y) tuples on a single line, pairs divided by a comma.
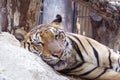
[(56, 23)]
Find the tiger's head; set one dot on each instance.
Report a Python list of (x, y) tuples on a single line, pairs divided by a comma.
[(50, 41)]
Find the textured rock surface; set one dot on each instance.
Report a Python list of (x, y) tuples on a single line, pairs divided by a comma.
[(9, 39)]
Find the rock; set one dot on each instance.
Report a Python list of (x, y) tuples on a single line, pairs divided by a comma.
[(5, 37), (19, 64)]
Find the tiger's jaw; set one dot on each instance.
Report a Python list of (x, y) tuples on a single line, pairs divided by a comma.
[(61, 65), (56, 63), (66, 62)]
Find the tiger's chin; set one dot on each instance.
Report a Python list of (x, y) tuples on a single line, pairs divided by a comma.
[(60, 65), (56, 64)]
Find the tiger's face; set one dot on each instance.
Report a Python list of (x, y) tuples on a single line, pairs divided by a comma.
[(51, 42)]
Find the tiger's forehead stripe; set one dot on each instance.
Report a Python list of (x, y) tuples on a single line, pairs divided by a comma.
[(55, 31)]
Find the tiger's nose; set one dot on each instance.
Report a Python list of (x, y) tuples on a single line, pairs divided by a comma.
[(58, 54)]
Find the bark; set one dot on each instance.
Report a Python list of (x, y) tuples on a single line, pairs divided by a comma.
[(19, 16), (63, 7), (105, 21), (23, 13), (3, 15), (33, 13)]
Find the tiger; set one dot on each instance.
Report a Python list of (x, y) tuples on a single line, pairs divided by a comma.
[(73, 54)]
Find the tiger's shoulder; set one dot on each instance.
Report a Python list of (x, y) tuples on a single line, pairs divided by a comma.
[(87, 42)]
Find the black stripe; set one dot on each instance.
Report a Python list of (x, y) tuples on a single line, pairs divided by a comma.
[(75, 46), (35, 48), (65, 71), (66, 45), (116, 69), (119, 51), (81, 44), (88, 72), (38, 43), (95, 53), (101, 74), (28, 46), (24, 45), (119, 62), (30, 39), (110, 61)]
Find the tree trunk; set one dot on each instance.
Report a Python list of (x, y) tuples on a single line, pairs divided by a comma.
[(105, 21), (63, 7), (23, 13), (3, 15), (19, 16)]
